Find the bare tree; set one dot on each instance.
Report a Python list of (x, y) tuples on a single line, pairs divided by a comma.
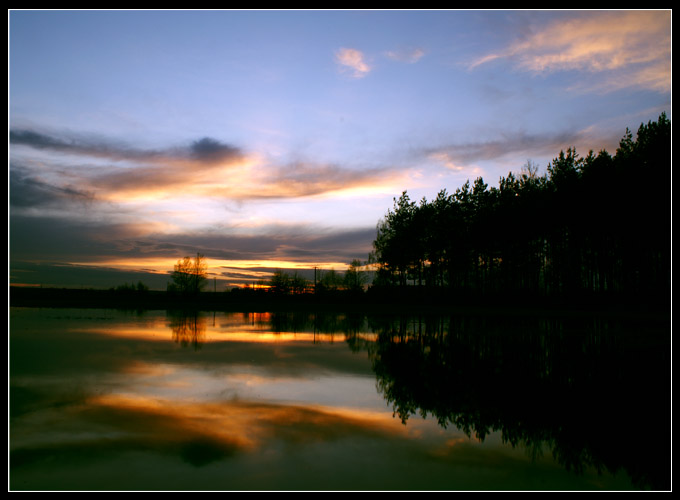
[(190, 275)]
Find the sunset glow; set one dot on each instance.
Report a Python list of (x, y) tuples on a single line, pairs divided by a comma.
[(171, 133)]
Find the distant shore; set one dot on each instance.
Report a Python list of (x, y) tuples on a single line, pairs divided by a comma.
[(374, 302)]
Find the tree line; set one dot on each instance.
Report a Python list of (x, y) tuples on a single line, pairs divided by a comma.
[(598, 224), (189, 278), (330, 281)]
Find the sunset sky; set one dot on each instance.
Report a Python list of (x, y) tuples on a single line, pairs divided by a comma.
[(278, 139)]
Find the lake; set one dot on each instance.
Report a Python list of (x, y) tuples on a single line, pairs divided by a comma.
[(163, 400)]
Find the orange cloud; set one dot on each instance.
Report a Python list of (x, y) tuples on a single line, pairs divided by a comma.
[(635, 44), (353, 60), (208, 169), (230, 427)]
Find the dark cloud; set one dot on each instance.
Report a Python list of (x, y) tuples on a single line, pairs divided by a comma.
[(37, 140), (65, 275), (61, 238), (211, 150), (298, 243), (70, 240), (155, 168), (26, 190), (78, 146), (206, 150)]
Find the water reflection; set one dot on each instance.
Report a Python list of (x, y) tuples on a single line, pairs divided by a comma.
[(102, 399), (573, 386), (577, 386), (588, 390), (324, 327), (188, 327)]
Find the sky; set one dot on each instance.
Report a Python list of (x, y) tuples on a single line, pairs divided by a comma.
[(278, 139)]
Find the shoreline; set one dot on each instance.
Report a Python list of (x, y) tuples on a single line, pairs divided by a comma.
[(375, 303)]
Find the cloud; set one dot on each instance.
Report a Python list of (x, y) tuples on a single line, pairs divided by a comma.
[(251, 181), (79, 251), (211, 150), (205, 150), (93, 206), (447, 159), (276, 242), (352, 60), (513, 144), (632, 48), (78, 146), (207, 168), (71, 239), (107, 171), (26, 190), (409, 55), (303, 179)]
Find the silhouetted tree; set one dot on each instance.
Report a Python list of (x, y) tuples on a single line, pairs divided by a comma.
[(189, 275), (330, 280), (132, 288), (298, 284), (280, 283), (354, 278), (587, 226)]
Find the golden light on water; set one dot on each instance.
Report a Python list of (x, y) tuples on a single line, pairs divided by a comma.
[(202, 329)]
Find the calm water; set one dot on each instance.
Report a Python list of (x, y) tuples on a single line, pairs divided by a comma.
[(104, 399)]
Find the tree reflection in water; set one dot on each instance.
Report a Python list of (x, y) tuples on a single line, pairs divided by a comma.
[(596, 394), (188, 327), (595, 391)]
